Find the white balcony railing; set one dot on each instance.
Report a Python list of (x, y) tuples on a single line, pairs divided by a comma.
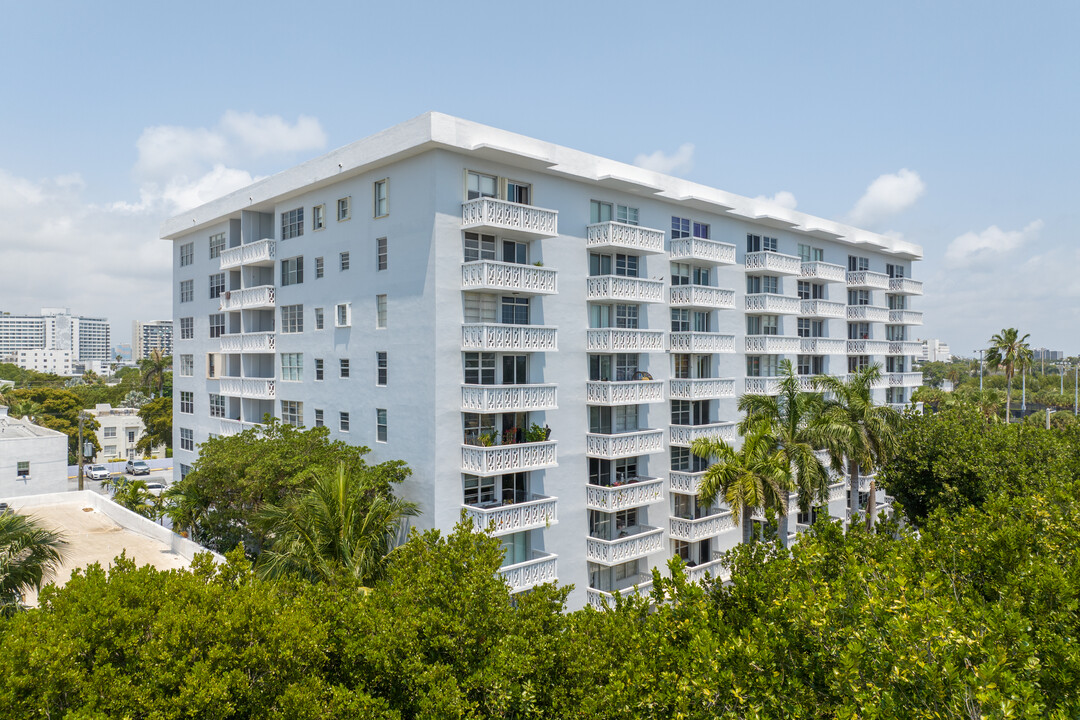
[(542, 568), (507, 398), (631, 289), (823, 271), (823, 346), (867, 347), (509, 277), (822, 309), (773, 304), (228, 427), (537, 512), (701, 388), (623, 340), (702, 250), (868, 313), (688, 483), (624, 392), (905, 286), (772, 344), (261, 342), (625, 444), (706, 527), (616, 235), (642, 491), (773, 263), (838, 491), (509, 218), (702, 342), (701, 296), (500, 459), (255, 388), (639, 542), (762, 386), (685, 435), (714, 569), (905, 379), (904, 317), (499, 337), (248, 299), (604, 599), (868, 280), (905, 347), (261, 252)]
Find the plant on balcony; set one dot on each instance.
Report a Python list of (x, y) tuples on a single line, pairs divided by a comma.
[(485, 439), (535, 433)]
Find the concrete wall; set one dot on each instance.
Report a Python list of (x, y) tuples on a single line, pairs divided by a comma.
[(48, 464)]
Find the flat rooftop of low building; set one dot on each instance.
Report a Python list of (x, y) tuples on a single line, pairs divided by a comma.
[(15, 428)]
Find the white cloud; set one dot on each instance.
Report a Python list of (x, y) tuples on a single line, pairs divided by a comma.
[(783, 199), (888, 195), (980, 249), (680, 162)]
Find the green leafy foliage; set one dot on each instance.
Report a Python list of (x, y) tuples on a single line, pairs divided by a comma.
[(57, 409), (157, 416)]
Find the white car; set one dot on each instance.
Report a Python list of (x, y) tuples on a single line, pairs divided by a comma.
[(97, 472), (156, 487)]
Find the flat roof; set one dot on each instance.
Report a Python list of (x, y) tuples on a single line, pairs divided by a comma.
[(17, 428), (434, 130)]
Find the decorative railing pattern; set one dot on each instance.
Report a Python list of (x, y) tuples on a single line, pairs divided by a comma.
[(868, 313), (867, 347), (504, 215), (228, 427), (512, 277), (499, 459), (685, 435), (262, 251), (248, 342), (823, 346), (248, 298), (824, 271), (505, 338), (774, 262), (711, 251), (625, 392), (867, 279), (644, 491), (619, 287), (527, 575), (645, 541), (257, 388), (822, 309), (706, 527), (624, 445), (507, 398), (629, 237), (621, 340), (602, 599), (714, 569), (773, 304), (701, 296), (904, 347), (702, 342), (537, 512), (905, 379), (701, 388), (685, 482), (905, 317), (762, 386), (772, 344), (838, 491), (905, 286)]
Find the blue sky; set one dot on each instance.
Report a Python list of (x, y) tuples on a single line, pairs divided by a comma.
[(119, 114)]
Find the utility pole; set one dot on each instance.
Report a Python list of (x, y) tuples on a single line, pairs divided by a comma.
[(980, 370), (80, 450), (1023, 390), (1076, 393)]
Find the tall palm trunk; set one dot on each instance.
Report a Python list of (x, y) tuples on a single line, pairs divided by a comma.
[(871, 505), (782, 527), (853, 492)]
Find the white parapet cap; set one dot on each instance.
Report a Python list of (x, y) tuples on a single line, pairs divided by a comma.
[(432, 131)]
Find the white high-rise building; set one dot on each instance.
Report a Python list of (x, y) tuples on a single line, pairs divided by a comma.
[(539, 332), (55, 329), (934, 350), (149, 336)]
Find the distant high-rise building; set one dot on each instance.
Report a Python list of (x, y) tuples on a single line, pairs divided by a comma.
[(54, 329), (934, 350), (1044, 354), (149, 336), (123, 351)]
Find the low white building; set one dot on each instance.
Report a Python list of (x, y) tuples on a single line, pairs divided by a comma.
[(56, 362), (120, 431), (33, 459)]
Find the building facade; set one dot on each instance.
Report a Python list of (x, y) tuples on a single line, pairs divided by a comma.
[(933, 350), (33, 459), (540, 333), (57, 362), (149, 336), (87, 339), (119, 432)]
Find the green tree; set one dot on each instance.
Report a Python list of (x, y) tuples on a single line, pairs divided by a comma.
[(59, 410), (1010, 352), (136, 496), (157, 417), (154, 368), (29, 552)]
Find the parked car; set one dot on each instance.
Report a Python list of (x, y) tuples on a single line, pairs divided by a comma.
[(97, 472), (137, 467), (156, 487)]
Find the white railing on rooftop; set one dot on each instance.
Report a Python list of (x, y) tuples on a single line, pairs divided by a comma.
[(867, 347), (905, 286), (868, 279), (823, 346), (256, 388), (905, 347), (905, 317), (248, 298), (773, 304), (685, 482), (772, 344), (868, 313), (701, 528)]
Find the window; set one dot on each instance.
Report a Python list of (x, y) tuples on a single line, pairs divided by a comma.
[(626, 316), (318, 217), (187, 328), (318, 417), (380, 425), (855, 363), (599, 212), (187, 406), (212, 362), (897, 302), (858, 297), (217, 325), (382, 198), (184, 470), (809, 365), (217, 406), (381, 254), (343, 367), (515, 252), (217, 244), (680, 274), (319, 321), (626, 365), (680, 320), (480, 307), (856, 263), (292, 318), (380, 312), (344, 208), (479, 368), (894, 271), (762, 284), (701, 230), (479, 247), (343, 314), (187, 439), (759, 243), (319, 268), (626, 265), (680, 228), (343, 421), (318, 369), (187, 254), (292, 223), (517, 192), (187, 290), (479, 490), (701, 321), (858, 331), (515, 310), (625, 214), (762, 325), (292, 413), (761, 365), (381, 367), (680, 412), (292, 271), (110, 432), (811, 328), (343, 260), (600, 264), (292, 367), (217, 285), (187, 365), (515, 369)]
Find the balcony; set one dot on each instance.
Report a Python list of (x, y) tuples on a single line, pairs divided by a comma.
[(904, 379), (714, 569), (628, 289), (508, 219), (625, 340), (624, 392), (228, 428), (694, 249), (772, 262), (635, 542), (772, 345), (701, 528), (838, 491), (527, 575), (904, 317), (823, 346), (905, 347), (685, 482), (866, 280), (822, 309), (634, 493), (499, 459), (509, 277), (500, 337), (619, 236), (772, 304), (701, 296), (262, 342), (867, 347), (868, 313), (248, 299), (702, 342), (615, 446), (254, 388), (605, 599), (762, 386), (507, 398), (256, 253), (828, 272), (685, 435), (905, 286), (535, 513), (701, 388)]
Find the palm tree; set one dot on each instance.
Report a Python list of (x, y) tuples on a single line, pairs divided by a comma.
[(26, 409), (28, 554), (865, 434), (136, 496), (757, 475), (1010, 352), (795, 419), (343, 523), (186, 506), (154, 368)]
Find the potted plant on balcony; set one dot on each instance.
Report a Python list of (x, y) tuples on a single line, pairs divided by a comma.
[(537, 434)]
